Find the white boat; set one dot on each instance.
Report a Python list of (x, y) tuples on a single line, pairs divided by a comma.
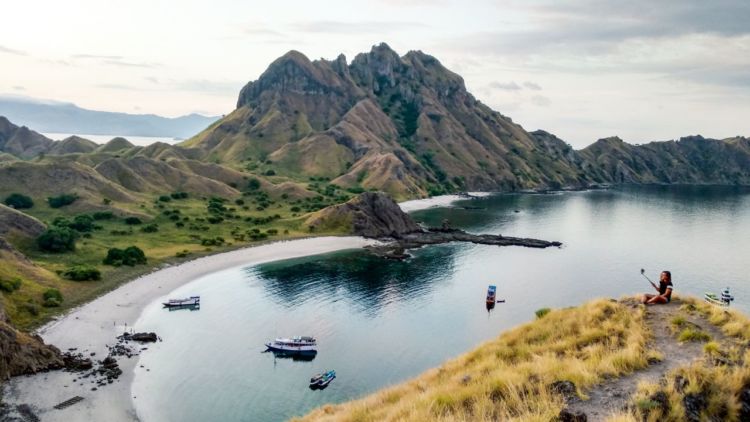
[(191, 301), (724, 300), (296, 345)]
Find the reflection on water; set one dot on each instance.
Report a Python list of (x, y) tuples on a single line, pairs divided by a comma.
[(368, 284), (379, 322)]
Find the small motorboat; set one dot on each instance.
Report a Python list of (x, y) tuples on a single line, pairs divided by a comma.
[(321, 381), (725, 299), (491, 294), (190, 302), (301, 345)]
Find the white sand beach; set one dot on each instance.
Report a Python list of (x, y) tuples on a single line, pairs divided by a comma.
[(438, 201), (93, 326)]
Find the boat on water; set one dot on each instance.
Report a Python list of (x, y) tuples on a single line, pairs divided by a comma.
[(300, 345), (321, 381), (491, 294), (724, 299), (190, 302)]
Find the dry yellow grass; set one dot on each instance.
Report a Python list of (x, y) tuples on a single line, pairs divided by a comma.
[(713, 388), (509, 378)]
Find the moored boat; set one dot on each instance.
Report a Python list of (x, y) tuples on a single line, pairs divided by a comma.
[(725, 299), (192, 301), (296, 345), (322, 380), (491, 294)]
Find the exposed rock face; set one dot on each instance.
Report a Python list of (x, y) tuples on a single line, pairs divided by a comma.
[(408, 126), (376, 215), (371, 214), (690, 160), (22, 354)]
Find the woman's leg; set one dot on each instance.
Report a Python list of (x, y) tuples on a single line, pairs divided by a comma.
[(646, 297), (656, 300)]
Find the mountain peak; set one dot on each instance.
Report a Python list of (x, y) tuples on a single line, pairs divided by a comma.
[(293, 56)]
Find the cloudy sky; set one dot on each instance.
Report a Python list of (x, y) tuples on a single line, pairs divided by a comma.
[(639, 69)]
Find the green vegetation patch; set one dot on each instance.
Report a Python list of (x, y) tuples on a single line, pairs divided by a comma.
[(62, 200), (82, 273), (19, 201), (57, 239), (132, 255)]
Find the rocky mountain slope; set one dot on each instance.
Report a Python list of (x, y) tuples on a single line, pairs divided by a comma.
[(408, 126), (405, 125)]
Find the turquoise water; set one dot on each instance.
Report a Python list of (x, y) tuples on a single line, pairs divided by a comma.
[(381, 322)]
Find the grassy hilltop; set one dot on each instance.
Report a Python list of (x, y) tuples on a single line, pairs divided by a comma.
[(570, 360)]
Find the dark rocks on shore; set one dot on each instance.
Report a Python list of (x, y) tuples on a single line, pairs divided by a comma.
[(376, 215), (396, 248), (140, 337), (76, 362)]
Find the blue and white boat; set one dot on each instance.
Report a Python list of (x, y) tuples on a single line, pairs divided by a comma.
[(491, 294), (321, 381), (296, 345)]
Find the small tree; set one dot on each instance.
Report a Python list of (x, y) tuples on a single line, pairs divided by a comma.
[(61, 200), (132, 255), (18, 201), (83, 223), (132, 220), (52, 298), (253, 184), (82, 273), (57, 239)]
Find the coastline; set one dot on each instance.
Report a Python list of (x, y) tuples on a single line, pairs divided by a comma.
[(439, 201), (93, 326)]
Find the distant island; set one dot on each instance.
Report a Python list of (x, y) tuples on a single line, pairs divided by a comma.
[(60, 117)]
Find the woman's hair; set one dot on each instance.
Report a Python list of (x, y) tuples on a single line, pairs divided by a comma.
[(669, 275)]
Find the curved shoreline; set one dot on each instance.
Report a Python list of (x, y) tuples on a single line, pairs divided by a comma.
[(93, 326)]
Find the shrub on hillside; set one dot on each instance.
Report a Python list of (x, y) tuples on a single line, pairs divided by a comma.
[(82, 273), (57, 239), (542, 312), (150, 228), (165, 198), (82, 223), (18, 201), (132, 220), (132, 255), (10, 286), (102, 215), (52, 298), (62, 200), (253, 184), (178, 195)]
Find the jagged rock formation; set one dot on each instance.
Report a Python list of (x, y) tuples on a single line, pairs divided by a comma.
[(376, 215), (690, 160), (371, 214), (404, 125), (407, 125)]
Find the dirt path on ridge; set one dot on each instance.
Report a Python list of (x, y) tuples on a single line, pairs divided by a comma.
[(613, 395)]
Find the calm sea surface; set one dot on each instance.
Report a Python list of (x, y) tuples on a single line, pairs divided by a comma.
[(380, 322)]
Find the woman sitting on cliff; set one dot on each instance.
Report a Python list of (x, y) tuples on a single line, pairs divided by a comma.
[(664, 288)]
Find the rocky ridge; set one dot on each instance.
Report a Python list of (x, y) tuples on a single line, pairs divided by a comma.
[(376, 215)]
